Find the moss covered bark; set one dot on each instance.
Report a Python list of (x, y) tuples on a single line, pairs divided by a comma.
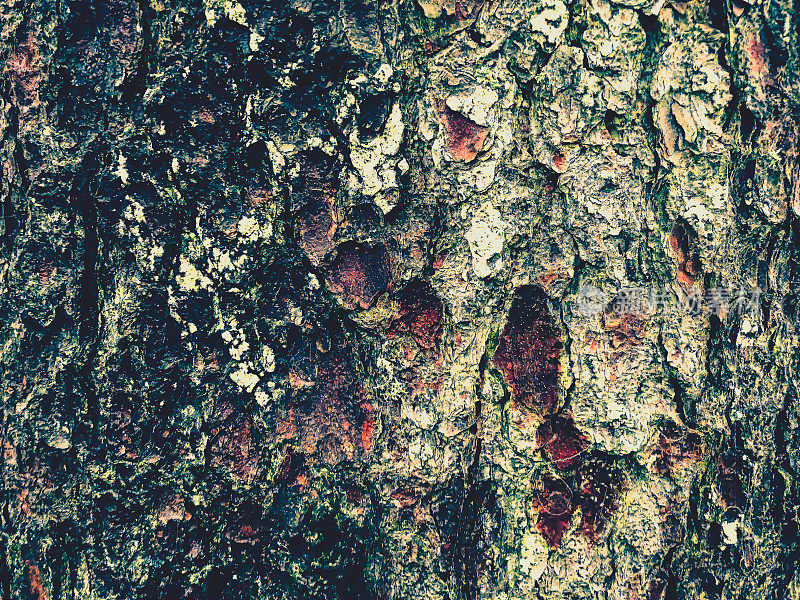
[(399, 299)]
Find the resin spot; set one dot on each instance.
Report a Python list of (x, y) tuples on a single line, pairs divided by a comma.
[(313, 204), (464, 137), (561, 441), (683, 242), (235, 450), (367, 425), (528, 352), (601, 483), (331, 411), (293, 468), (625, 329), (420, 317), (246, 527), (731, 470), (553, 502), (360, 274), (678, 448), (23, 68), (35, 590)]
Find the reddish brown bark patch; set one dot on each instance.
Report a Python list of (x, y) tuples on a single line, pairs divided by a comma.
[(125, 39), (561, 441), (24, 70), (464, 137), (35, 589), (553, 502), (678, 448), (732, 468), (683, 242), (552, 529), (367, 425), (528, 352), (293, 468), (757, 55), (359, 274), (246, 527), (313, 203), (431, 48), (625, 329), (404, 496), (421, 316), (235, 450), (333, 417), (601, 484)]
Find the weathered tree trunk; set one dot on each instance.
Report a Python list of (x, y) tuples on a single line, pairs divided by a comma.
[(400, 299)]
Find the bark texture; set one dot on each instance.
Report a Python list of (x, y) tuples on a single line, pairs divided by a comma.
[(322, 299)]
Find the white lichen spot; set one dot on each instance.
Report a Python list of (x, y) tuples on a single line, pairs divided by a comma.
[(247, 227), (217, 9), (221, 260), (478, 178), (262, 397), (245, 378), (189, 279), (275, 157), (295, 314), (346, 108), (250, 229), (533, 556), (718, 194), (477, 105), (156, 252), (551, 22), (419, 416), (384, 73), (268, 359), (134, 211), (239, 349), (730, 532), (368, 157), (235, 12), (486, 239), (122, 168), (255, 39)]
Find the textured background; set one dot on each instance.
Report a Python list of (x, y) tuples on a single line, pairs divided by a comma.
[(311, 299)]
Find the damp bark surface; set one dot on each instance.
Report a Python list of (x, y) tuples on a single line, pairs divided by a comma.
[(354, 300)]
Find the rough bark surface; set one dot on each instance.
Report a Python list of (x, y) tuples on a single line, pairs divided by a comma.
[(323, 299)]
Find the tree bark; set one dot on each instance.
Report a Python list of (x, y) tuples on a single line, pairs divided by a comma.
[(400, 299)]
